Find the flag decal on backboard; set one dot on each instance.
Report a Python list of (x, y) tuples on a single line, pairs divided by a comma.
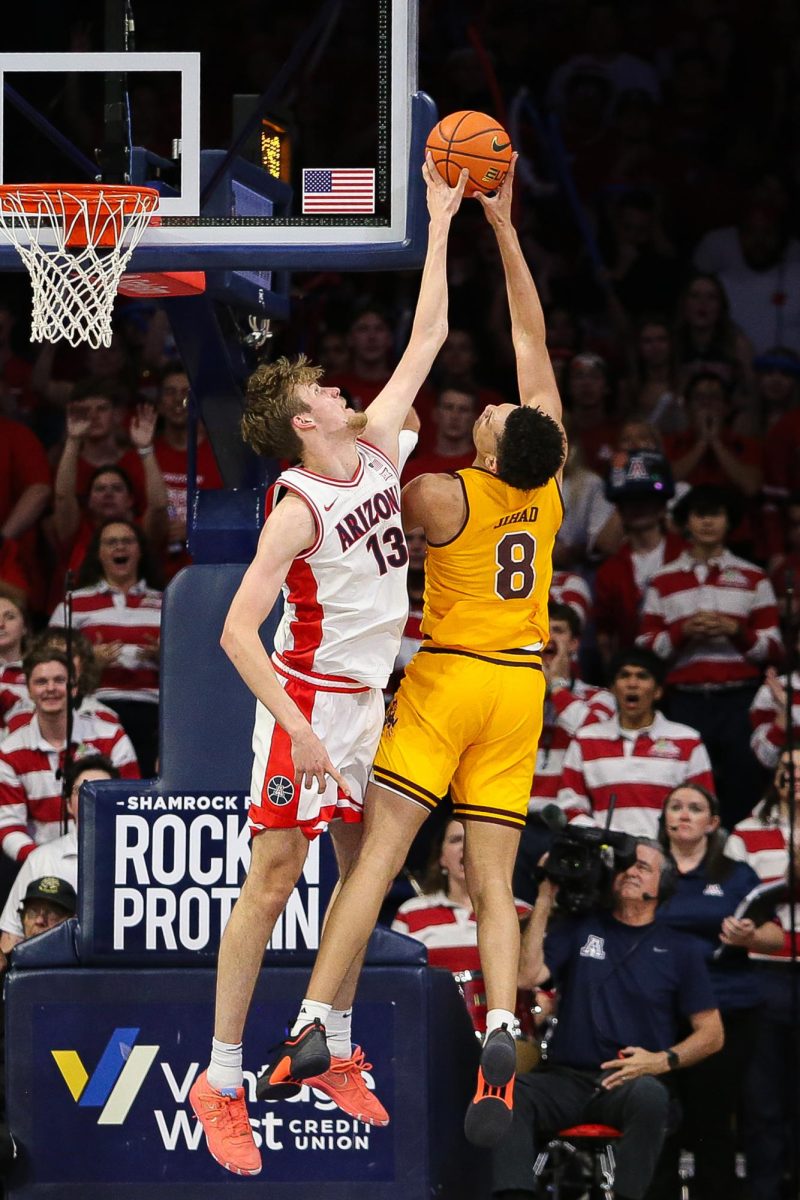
[(339, 190)]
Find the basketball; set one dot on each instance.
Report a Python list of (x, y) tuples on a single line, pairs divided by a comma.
[(473, 140)]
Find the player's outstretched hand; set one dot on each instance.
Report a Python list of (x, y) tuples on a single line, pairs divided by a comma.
[(312, 765), (443, 200), (497, 207)]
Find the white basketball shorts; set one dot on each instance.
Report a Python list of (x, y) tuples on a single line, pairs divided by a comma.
[(348, 723)]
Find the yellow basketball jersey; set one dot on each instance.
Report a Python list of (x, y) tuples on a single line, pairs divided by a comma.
[(487, 589)]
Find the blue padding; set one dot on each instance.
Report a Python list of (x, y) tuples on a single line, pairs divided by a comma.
[(226, 524), (56, 947), (247, 291), (144, 1143), (207, 711), (389, 948), (258, 194)]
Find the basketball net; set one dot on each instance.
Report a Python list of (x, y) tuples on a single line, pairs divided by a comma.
[(75, 241)]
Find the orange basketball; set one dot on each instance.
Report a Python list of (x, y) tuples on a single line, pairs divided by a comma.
[(473, 140)]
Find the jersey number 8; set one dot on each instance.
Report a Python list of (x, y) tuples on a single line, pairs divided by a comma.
[(516, 574)]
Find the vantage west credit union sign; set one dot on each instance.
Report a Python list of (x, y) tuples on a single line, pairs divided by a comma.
[(114, 1080), (161, 871)]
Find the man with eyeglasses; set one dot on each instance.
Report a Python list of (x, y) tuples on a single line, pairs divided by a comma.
[(635, 1002), (47, 902), (58, 858), (33, 757)]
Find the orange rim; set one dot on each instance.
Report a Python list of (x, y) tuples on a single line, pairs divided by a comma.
[(70, 199)]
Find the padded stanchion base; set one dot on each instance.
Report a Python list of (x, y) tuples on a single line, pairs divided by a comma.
[(100, 1063)]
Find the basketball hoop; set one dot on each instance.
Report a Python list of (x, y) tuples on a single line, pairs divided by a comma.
[(75, 241)]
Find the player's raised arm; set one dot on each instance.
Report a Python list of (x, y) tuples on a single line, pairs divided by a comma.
[(535, 378), (386, 414), (287, 532)]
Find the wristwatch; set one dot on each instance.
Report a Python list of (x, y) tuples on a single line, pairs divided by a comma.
[(558, 681), (673, 1060)]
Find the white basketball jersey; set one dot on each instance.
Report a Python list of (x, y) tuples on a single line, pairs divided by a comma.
[(345, 599)]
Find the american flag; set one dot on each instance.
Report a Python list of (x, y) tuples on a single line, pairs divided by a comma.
[(339, 190)]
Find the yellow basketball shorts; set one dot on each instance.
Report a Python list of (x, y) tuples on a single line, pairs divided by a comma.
[(468, 722)]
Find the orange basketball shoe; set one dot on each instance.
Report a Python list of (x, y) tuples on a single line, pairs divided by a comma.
[(227, 1127), (345, 1084)]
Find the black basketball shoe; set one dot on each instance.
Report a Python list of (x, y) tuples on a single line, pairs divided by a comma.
[(293, 1060), (491, 1110)]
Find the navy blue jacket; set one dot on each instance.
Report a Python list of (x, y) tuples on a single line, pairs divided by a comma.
[(621, 985), (697, 909)]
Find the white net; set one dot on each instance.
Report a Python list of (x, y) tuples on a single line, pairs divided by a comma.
[(75, 244)]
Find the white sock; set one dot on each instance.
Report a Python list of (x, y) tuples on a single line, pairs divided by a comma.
[(496, 1017), (225, 1068), (337, 1031), (309, 1010)]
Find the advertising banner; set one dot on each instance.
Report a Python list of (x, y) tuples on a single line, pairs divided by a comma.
[(99, 1087), (160, 873)]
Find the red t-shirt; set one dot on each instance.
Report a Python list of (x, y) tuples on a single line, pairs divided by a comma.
[(131, 464), (175, 469), (15, 375), (435, 463), (782, 454), (597, 446), (748, 451), (12, 570), (22, 462), (363, 391)]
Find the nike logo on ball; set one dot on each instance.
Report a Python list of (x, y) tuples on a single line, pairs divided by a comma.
[(498, 146)]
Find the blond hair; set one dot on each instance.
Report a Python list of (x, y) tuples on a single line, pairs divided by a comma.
[(271, 403)]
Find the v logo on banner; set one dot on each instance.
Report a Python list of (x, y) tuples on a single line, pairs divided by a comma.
[(116, 1080)]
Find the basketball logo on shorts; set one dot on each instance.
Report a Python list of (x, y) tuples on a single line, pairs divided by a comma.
[(280, 791)]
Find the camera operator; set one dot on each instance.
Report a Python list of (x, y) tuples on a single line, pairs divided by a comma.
[(624, 981)]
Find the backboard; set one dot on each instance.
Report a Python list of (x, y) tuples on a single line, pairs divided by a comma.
[(279, 135)]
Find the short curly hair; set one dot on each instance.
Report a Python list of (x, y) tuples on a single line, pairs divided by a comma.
[(271, 403), (530, 450)]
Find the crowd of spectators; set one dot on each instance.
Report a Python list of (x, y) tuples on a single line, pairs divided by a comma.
[(672, 297)]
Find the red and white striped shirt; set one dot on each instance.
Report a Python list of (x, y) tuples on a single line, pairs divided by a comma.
[(22, 713), (638, 766), (764, 845), (569, 588), (566, 711), (30, 793), (449, 930), (727, 585), (768, 739), (106, 614), (13, 689)]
